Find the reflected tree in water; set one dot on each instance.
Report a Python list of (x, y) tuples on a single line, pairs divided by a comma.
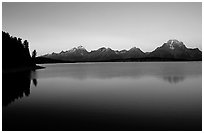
[(35, 82), (15, 86)]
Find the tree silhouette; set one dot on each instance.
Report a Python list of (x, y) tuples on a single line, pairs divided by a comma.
[(34, 53), (25, 43), (15, 53)]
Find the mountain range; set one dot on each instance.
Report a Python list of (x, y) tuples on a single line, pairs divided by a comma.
[(172, 50)]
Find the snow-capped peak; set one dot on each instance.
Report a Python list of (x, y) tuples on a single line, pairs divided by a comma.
[(81, 47), (72, 50), (77, 48), (173, 41), (104, 49), (170, 45), (123, 51), (134, 48)]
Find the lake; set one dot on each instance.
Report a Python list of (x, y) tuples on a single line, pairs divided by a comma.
[(130, 96)]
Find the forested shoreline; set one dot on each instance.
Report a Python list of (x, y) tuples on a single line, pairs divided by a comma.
[(16, 55)]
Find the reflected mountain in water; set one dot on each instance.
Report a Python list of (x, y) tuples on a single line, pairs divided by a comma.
[(167, 72), (105, 97), (174, 79), (16, 86)]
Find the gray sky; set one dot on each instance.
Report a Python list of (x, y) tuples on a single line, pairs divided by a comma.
[(52, 27)]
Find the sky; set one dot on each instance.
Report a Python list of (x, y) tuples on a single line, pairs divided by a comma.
[(53, 27)]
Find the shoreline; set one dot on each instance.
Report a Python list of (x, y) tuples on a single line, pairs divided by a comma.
[(43, 60), (118, 61), (21, 69)]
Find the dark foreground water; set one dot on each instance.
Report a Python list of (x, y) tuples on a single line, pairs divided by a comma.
[(105, 96)]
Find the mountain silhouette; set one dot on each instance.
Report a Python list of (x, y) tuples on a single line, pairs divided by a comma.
[(75, 54), (172, 50), (133, 53), (177, 50), (102, 54)]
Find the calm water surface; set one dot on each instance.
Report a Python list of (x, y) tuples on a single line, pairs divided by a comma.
[(105, 96)]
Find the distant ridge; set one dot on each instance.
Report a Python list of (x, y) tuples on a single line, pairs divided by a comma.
[(172, 50)]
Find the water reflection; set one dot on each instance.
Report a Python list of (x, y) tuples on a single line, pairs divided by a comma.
[(16, 86), (174, 79), (35, 82), (169, 72), (33, 76), (105, 96)]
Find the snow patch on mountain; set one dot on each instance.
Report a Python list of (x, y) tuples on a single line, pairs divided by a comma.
[(171, 46)]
